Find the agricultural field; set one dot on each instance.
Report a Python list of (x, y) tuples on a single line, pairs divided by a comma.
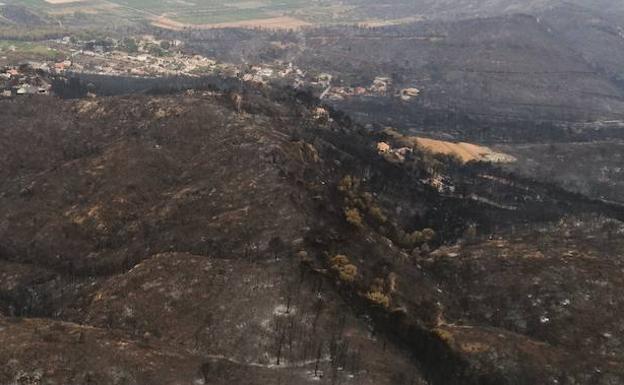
[(18, 50), (179, 14)]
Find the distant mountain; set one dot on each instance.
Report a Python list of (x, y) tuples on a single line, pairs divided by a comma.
[(596, 35)]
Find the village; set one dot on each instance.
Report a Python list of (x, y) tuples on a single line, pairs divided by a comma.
[(146, 56), (381, 86), (23, 80)]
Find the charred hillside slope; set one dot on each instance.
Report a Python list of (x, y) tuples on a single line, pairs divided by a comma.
[(546, 74), (259, 238)]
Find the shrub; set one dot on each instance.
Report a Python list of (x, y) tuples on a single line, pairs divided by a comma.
[(414, 238), (378, 285), (378, 215), (165, 45), (354, 217), (428, 234), (339, 261), (444, 335), (130, 45), (470, 234), (348, 183), (348, 273), (368, 199), (378, 298)]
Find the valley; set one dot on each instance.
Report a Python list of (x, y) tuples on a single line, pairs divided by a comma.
[(285, 192)]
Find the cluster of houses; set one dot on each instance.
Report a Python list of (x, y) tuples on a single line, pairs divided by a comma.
[(442, 183), (25, 79), (381, 86), (112, 57), (146, 56), (122, 63), (265, 73), (140, 56)]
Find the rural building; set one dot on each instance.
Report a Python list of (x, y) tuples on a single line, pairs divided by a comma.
[(409, 93), (27, 89), (381, 85), (383, 147)]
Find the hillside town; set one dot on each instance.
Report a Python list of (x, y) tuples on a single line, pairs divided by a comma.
[(25, 79), (381, 86), (146, 56)]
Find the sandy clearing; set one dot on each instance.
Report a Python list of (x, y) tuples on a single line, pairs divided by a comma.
[(281, 22), (467, 152)]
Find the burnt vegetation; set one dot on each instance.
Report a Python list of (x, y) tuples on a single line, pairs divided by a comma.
[(231, 234)]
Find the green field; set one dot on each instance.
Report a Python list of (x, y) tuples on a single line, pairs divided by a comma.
[(214, 11), (33, 51), (195, 11)]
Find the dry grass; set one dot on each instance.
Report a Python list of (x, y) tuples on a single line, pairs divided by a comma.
[(466, 152)]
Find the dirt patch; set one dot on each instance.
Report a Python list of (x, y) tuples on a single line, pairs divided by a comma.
[(467, 152), (282, 22)]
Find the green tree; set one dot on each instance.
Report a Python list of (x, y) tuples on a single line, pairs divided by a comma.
[(165, 45), (130, 45)]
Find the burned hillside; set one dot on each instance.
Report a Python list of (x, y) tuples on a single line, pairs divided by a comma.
[(540, 76), (256, 236)]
